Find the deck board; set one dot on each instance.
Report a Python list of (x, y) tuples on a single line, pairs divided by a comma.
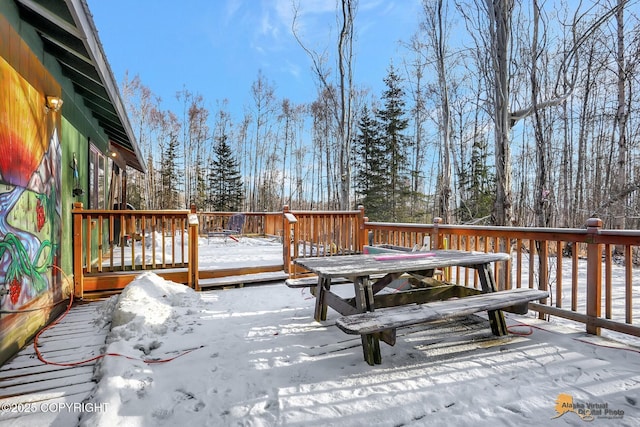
[(242, 279), (25, 379)]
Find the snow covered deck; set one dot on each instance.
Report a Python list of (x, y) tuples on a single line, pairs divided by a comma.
[(38, 394), (255, 356)]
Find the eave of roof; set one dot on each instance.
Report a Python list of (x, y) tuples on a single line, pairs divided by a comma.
[(69, 34)]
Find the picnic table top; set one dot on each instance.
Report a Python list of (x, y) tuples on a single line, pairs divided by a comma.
[(368, 264)]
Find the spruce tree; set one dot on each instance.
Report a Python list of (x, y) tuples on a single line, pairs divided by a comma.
[(169, 174), (225, 181), (395, 144), (370, 167), (477, 181)]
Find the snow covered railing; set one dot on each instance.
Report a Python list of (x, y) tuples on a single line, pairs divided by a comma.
[(588, 272)]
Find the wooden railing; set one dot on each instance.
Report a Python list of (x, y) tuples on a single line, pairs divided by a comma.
[(111, 247), (105, 256), (255, 223), (550, 259), (321, 233), (576, 266)]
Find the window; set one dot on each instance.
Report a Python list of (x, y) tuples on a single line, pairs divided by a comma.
[(97, 178)]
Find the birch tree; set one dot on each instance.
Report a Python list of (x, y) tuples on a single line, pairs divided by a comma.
[(620, 120), (143, 106), (342, 98), (263, 95), (497, 16), (417, 91), (434, 25)]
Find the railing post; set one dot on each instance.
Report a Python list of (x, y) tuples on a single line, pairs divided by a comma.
[(594, 274), (435, 235), (78, 274), (440, 243), (543, 271), (193, 268), (286, 240), (361, 230)]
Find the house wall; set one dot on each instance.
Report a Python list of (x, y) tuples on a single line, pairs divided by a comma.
[(36, 181)]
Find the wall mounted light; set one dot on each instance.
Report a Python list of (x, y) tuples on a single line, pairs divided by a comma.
[(54, 103)]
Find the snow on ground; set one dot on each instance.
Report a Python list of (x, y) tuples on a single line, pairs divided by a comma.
[(218, 252), (255, 357)]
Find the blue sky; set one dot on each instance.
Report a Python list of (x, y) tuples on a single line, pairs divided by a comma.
[(216, 47)]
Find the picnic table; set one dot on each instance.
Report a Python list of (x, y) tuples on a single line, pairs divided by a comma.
[(371, 273)]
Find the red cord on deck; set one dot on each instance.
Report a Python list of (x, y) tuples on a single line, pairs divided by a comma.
[(100, 356)]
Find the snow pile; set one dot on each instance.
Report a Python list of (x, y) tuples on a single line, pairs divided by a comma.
[(151, 300), (151, 322)]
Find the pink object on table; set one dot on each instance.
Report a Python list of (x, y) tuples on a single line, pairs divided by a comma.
[(404, 256)]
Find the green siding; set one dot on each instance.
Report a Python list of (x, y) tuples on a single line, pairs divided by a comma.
[(77, 128)]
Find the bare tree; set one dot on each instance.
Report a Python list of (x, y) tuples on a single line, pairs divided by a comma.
[(199, 140), (542, 192), (417, 90), (243, 146), (263, 94), (620, 121), (144, 108), (498, 43), (324, 144), (342, 99), (434, 24), (499, 15)]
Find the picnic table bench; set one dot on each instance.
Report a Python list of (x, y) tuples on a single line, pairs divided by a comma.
[(383, 323), (360, 314), (309, 282), (312, 281)]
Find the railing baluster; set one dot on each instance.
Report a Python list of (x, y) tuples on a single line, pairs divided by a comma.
[(143, 241), (532, 264), (608, 288), (123, 225), (131, 232), (628, 284), (543, 271), (78, 237), (559, 258), (518, 263), (574, 279), (88, 262), (154, 238), (164, 246), (111, 241), (99, 241)]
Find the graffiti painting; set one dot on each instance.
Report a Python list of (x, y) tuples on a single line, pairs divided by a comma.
[(30, 208)]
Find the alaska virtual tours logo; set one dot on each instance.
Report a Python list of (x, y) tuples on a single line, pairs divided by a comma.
[(587, 411)]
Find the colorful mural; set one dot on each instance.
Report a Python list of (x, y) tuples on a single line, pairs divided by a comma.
[(30, 209)]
